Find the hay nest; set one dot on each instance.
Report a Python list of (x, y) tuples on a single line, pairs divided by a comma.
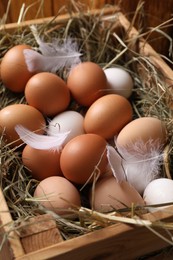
[(106, 43)]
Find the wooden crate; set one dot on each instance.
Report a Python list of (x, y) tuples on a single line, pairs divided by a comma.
[(40, 239)]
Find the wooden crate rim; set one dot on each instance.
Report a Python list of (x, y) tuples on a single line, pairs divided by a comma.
[(60, 18), (110, 13), (114, 232)]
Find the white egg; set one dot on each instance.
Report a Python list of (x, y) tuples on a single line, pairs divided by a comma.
[(158, 191), (67, 121), (120, 81)]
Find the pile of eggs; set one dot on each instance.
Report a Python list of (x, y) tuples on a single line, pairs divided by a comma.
[(106, 115)]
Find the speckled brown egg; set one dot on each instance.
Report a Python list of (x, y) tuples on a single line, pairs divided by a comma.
[(14, 71), (22, 114)]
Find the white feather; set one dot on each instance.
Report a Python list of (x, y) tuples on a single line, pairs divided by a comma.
[(115, 162), (64, 47), (142, 163), (42, 142), (37, 62), (54, 55)]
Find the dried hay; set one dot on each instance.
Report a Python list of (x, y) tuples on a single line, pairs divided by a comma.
[(108, 46)]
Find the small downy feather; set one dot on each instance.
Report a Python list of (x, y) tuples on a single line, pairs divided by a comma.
[(52, 56), (115, 162), (141, 162), (42, 142)]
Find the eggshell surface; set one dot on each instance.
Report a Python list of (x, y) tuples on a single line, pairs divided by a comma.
[(41, 163), (109, 195), (159, 191), (145, 129), (108, 115), (87, 82), (22, 114), (83, 156), (14, 71), (57, 194), (48, 93), (67, 121), (119, 81)]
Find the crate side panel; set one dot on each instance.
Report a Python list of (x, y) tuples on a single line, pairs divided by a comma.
[(12, 245), (117, 241)]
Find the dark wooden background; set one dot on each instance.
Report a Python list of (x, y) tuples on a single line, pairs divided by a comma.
[(154, 13)]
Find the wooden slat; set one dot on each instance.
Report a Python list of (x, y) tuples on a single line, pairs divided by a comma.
[(12, 247), (41, 240), (39, 232), (61, 18), (35, 225), (32, 9), (154, 13), (119, 241), (146, 49), (41, 9)]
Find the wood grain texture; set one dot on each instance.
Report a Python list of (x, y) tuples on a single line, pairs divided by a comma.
[(59, 19), (41, 240), (153, 13), (119, 241), (12, 247), (32, 9), (35, 225), (146, 49), (39, 232)]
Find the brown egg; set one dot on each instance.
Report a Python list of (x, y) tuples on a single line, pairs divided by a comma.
[(87, 82), (109, 195), (57, 194), (14, 72), (108, 115), (83, 156), (48, 93), (41, 163), (142, 129), (22, 114)]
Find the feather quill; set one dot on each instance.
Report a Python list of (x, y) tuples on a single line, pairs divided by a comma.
[(52, 56), (115, 162), (42, 142)]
